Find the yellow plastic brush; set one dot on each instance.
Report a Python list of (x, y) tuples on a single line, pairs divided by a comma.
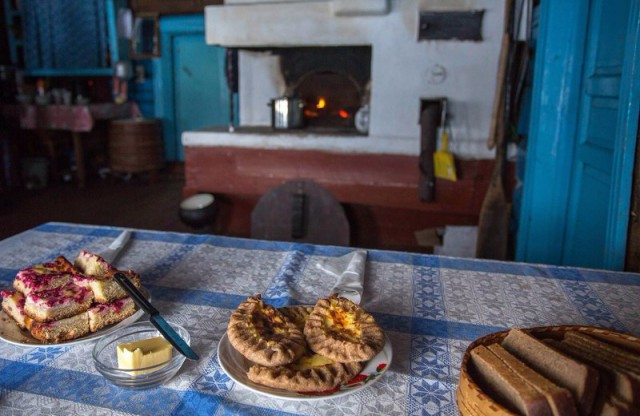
[(444, 165)]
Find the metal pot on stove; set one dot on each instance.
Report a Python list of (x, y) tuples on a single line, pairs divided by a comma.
[(287, 113)]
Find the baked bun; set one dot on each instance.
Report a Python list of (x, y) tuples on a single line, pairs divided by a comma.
[(312, 372), (297, 314), (263, 335), (341, 330)]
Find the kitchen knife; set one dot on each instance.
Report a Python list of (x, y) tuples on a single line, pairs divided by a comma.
[(110, 253), (154, 316)]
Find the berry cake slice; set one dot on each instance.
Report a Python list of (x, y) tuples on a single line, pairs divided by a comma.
[(103, 314), (44, 276), (105, 288), (62, 330), (59, 303), (92, 264), (13, 305), (97, 275)]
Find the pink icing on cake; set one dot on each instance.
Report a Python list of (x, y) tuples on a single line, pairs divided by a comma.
[(36, 281), (61, 295)]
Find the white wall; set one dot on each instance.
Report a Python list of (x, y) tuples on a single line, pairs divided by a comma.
[(402, 67)]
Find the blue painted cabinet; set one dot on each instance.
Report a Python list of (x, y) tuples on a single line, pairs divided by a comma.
[(70, 38), (582, 138)]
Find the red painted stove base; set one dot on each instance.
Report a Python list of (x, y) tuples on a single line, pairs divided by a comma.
[(379, 192)]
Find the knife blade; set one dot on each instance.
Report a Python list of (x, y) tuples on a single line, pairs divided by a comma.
[(109, 254), (156, 319)]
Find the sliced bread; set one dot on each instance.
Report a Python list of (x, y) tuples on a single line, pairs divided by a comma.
[(506, 385), (580, 379), (624, 384), (621, 356), (559, 399)]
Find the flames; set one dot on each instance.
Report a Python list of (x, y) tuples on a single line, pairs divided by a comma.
[(321, 107)]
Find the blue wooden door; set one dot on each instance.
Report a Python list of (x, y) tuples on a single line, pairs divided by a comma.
[(592, 170), (582, 139), (201, 97)]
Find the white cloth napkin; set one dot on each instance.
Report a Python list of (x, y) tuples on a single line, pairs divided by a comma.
[(111, 252), (348, 270)]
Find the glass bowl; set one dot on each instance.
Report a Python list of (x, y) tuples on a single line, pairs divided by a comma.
[(105, 357)]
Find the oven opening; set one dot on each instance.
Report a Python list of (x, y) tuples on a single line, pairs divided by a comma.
[(333, 83)]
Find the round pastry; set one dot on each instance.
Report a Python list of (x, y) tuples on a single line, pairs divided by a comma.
[(297, 314), (341, 330), (263, 335), (312, 372)]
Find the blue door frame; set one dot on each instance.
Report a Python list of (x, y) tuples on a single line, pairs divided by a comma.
[(554, 123)]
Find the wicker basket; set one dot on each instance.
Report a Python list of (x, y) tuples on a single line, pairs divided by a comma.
[(135, 145), (472, 401)]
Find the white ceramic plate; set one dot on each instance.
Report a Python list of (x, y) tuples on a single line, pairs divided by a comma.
[(10, 331), (236, 367)]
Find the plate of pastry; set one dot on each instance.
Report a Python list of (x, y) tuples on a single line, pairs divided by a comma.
[(60, 302), (304, 353)]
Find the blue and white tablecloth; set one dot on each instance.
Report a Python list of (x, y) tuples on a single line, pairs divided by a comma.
[(431, 307)]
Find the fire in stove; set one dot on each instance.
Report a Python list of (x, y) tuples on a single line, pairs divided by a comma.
[(331, 81), (322, 110)]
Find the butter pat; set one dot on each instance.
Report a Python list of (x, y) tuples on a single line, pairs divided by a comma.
[(143, 353)]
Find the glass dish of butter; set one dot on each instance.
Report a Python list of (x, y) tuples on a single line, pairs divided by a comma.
[(138, 357), (152, 353)]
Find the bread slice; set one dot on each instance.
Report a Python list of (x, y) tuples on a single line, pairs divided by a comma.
[(624, 384), (613, 408), (626, 407), (608, 400), (632, 346), (65, 329), (580, 379), (44, 276), (622, 357), (559, 399), (55, 304), (103, 314), (506, 385), (13, 305)]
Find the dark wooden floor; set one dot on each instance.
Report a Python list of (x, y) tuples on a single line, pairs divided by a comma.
[(135, 203)]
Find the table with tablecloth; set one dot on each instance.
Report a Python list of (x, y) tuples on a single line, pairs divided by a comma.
[(431, 308), (76, 119)]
